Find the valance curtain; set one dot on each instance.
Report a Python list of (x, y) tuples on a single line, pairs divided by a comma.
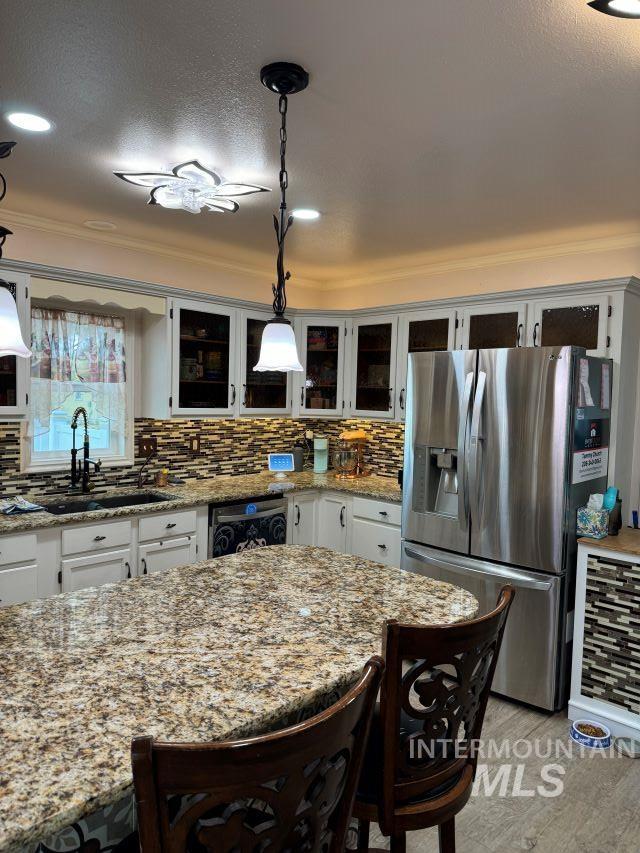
[(75, 353)]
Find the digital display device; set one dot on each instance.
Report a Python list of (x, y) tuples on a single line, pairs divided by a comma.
[(281, 462)]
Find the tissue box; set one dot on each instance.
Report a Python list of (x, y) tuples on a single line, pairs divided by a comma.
[(593, 523)]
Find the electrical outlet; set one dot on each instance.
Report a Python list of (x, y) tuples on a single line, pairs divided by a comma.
[(147, 446), (309, 434), (194, 443)]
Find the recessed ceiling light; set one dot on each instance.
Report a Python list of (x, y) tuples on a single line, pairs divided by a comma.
[(29, 121), (305, 213), (99, 225), (618, 8)]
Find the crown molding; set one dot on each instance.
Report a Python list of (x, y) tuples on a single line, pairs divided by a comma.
[(109, 238), (383, 274)]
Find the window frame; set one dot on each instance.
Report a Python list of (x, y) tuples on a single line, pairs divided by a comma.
[(31, 465)]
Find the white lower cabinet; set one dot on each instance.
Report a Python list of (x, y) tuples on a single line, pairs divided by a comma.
[(160, 556), (303, 520), (96, 569), (374, 541), (18, 584), (332, 522)]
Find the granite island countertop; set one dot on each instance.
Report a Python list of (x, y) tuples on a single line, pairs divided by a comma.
[(212, 490), (220, 649)]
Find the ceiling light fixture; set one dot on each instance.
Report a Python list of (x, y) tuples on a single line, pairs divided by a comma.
[(11, 342), (278, 349), (191, 187), (618, 8), (29, 121), (305, 213)]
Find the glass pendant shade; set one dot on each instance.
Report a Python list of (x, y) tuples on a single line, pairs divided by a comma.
[(278, 350), (11, 342), (617, 8)]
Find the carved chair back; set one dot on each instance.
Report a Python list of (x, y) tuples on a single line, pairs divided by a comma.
[(290, 790), (433, 701)]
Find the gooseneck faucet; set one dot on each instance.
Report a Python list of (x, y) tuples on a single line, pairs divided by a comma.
[(80, 470)]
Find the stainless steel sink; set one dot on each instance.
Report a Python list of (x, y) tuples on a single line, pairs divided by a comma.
[(91, 504)]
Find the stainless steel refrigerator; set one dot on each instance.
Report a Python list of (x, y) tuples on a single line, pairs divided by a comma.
[(501, 448)]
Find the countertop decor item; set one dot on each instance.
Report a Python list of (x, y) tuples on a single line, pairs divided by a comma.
[(348, 460), (278, 350)]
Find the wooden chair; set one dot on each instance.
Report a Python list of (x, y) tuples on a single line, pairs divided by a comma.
[(420, 764), (289, 790)]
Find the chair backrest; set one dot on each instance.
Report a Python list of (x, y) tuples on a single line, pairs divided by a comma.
[(288, 790), (434, 696)]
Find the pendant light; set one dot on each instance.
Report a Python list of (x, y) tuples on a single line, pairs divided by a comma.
[(11, 342), (278, 349), (618, 8)]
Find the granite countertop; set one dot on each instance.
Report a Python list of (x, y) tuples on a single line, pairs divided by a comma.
[(220, 649), (196, 493), (626, 542)]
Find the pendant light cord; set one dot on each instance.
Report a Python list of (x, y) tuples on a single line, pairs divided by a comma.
[(282, 223), (5, 149)]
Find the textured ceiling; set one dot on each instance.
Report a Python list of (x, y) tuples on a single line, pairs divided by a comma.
[(427, 123)]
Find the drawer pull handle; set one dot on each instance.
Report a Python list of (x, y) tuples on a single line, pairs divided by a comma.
[(128, 570), (171, 524), (383, 513), (144, 566), (99, 538), (382, 547)]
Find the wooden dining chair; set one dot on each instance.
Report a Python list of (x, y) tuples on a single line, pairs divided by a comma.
[(420, 762), (289, 790)]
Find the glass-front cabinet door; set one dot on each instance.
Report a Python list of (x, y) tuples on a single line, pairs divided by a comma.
[(571, 322), (321, 349), (374, 366), (265, 393), (421, 331), (501, 324), (14, 371), (204, 348)]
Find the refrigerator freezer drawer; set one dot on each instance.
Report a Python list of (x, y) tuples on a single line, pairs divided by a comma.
[(527, 668)]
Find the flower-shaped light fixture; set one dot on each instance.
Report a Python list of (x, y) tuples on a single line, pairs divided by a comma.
[(191, 187)]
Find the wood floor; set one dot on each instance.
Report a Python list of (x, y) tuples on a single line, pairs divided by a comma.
[(597, 812)]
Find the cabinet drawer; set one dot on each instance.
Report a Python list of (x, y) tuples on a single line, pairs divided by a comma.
[(96, 537), (17, 549), (385, 513), (374, 541), (18, 584), (165, 524)]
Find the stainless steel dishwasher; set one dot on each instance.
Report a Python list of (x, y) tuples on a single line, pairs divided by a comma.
[(242, 527)]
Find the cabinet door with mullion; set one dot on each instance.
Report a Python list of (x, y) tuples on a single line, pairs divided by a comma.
[(500, 324), (261, 393), (571, 321), (421, 331), (14, 371), (321, 346), (204, 359), (373, 372)]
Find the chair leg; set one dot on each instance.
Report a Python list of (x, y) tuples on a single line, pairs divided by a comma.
[(363, 835), (447, 836), (398, 843)]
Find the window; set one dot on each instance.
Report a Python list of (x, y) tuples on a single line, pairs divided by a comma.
[(79, 359)]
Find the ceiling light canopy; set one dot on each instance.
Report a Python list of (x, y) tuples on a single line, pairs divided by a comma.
[(305, 213), (29, 121), (278, 349), (191, 187), (618, 8)]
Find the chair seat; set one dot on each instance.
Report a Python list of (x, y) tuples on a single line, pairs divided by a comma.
[(370, 784)]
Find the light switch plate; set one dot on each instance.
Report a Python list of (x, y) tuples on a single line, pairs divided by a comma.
[(194, 443)]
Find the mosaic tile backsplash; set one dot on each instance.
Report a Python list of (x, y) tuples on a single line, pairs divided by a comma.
[(233, 446)]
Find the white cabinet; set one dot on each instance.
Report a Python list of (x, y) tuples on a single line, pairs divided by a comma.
[(421, 331), (204, 358), (332, 522), (95, 569), (575, 321), (14, 371), (160, 556), (18, 584), (375, 530), (302, 520), (496, 324), (373, 360), (319, 389)]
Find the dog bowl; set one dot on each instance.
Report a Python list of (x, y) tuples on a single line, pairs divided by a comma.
[(591, 734)]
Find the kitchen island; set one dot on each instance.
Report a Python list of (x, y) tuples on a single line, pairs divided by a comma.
[(220, 649)]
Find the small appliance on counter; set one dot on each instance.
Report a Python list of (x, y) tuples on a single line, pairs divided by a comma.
[(281, 464), (320, 455), (348, 459)]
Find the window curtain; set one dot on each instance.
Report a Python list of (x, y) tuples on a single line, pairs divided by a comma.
[(77, 352)]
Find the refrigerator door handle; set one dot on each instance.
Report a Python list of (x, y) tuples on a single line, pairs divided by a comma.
[(463, 429), (520, 579), (476, 438)]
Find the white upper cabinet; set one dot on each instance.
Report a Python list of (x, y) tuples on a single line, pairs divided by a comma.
[(373, 366), (319, 390), (421, 331), (204, 359), (14, 371), (499, 324), (267, 393), (575, 321)]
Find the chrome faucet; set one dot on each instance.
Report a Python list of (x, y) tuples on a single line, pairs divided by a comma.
[(80, 469)]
